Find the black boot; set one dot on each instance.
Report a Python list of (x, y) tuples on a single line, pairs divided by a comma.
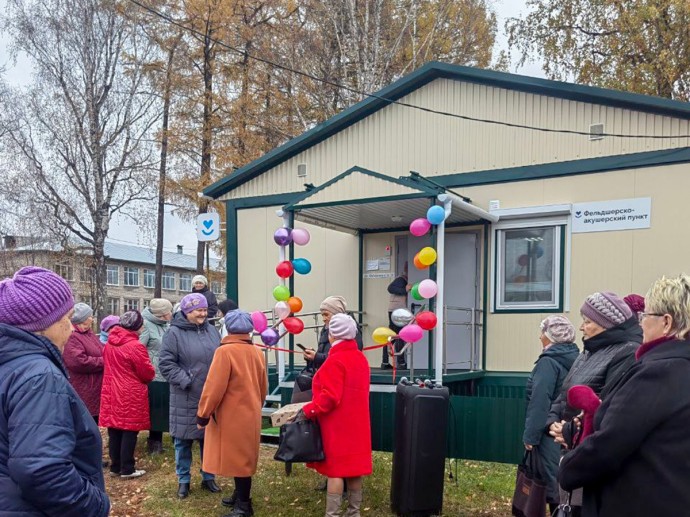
[(241, 509), (230, 501), (210, 485), (154, 447), (182, 490)]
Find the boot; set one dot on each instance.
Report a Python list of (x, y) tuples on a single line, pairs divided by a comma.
[(154, 447), (183, 490), (230, 501), (354, 501), (333, 502), (241, 509), (210, 485)]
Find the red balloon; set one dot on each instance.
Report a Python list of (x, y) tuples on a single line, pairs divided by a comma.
[(426, 319), (523, 260), (293, 325), (285, 269)]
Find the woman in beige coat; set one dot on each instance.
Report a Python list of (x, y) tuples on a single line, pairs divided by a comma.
[(230, 409)]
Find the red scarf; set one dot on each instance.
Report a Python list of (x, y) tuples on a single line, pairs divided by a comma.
[(646, 347)]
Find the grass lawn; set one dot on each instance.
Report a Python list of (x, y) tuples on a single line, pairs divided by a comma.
[(481, 489)]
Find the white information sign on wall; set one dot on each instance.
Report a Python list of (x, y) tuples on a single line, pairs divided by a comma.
[(617, 214)]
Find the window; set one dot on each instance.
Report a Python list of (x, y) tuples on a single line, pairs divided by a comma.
[(112, 275), (530, 259), (86, 275), (149, 278), (131, 304), (216, 288), (185, 282), (113, 306), (65, 271), (132, 276), (168, 280)]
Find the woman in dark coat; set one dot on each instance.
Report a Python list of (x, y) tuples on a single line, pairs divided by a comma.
[(50, 446), (636, 461), (200, 285), (543, 385), (184, 361)]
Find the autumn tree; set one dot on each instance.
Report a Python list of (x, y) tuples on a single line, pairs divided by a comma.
[(641, 46)]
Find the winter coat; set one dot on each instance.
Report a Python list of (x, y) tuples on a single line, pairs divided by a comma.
[(637, 461), (50, 446), (83, 356), (152, 338), (604, 361), (324, 346), (543, 386), (398, 291), (231, 404), (211, 299), (125, 394), (341, 406), (184, 362)]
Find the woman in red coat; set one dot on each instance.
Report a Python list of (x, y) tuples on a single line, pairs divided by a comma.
[(340, 403), (125, 395)]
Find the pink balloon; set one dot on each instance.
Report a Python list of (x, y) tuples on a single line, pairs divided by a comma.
[(419, 227), (300, 236), (259, 321), (427, 288), (411, 333), (282, 310)]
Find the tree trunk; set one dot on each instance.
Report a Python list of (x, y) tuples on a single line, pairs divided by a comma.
[(206, 138)]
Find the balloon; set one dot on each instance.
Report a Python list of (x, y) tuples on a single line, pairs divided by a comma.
[(436, 214), (538, 251), (417, 263), (270, 337), (382, 335), (427, 288), (415, 292), (426, 319), (302, 266), (281, 293), (419, 227), (284, 269), (523, 260), (300, 236), (427, 256), (259, 321), (283, 236), (411, 333), (295, 304), (293, 325), (401, 317), (282, 310)]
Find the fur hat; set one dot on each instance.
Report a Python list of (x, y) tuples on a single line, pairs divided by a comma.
[(606, 309)]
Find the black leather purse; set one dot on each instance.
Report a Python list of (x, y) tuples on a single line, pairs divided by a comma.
[(300, 442), (305, 378)]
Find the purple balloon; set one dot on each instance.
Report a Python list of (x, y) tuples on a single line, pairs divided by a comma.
[(283, 236), (270, 337)]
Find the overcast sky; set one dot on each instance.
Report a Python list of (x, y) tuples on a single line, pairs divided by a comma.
[(18, 73)]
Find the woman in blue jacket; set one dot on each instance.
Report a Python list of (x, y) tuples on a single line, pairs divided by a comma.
[(50, 446)]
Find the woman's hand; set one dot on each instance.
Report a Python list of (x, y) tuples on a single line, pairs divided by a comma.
[(309, 354), (556, 430), (528, 447)]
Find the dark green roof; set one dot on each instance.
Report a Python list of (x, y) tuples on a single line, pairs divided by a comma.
[(426, 74)]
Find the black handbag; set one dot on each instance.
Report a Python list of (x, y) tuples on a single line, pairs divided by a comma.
[(304, 379), (529, 498), (563, 509), (300, 442)]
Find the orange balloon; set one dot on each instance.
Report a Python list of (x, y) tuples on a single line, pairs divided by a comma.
[(295, 304), (418, 264)]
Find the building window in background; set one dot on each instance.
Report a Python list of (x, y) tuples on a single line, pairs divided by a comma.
[(132, 276), (131, 304), (168, 280), (149, 278), (112, 305), (65, 271), (112, 275), (185, 282), (216, 287)]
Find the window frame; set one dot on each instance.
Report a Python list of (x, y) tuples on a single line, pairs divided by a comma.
[(220, 287), (108, 270), (64, 268), (128, 306), (129, 270), (168, 274), (151, 274), (109, 302), (186, 276)]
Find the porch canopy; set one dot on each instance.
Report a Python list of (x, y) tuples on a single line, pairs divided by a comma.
[(360, 200)]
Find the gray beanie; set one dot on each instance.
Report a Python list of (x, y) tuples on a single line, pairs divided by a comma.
[(160, 307), (238, 322), (82, 312), (606, 309), (558, 329), (342, 326)]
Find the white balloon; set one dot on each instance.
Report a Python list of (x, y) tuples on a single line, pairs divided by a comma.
[(401, 317), (282, 310)]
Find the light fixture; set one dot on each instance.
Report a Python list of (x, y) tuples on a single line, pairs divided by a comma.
[(396, 218)]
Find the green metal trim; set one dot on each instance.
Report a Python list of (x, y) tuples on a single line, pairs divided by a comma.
[(485, 294), (291, 286), (364, 201), (360, 281), (406, 229), (425, 75), (568, 168), (562, 269), (231, 252), (264, 201)]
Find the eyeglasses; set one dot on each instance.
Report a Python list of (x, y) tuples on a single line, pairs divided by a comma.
[(643, 315)]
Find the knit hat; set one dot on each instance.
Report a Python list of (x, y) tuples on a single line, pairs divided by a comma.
[(342, 326), (227, 305), (238, 322), (606, 309), (108, 322), (558, 329), (334, 305), (193, 301), (199, 278), (82, 312), (160, 307), (34, 298), (635, 302), (131, 320)]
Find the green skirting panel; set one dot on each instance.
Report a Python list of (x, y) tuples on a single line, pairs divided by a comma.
[(159, 404)]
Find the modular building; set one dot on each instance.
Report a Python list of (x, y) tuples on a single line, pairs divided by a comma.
[(553, 191)]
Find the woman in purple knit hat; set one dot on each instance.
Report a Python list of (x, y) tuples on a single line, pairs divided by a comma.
[(50, 446)]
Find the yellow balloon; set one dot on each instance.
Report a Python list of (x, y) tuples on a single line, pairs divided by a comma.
[(427, 256), (382, 334)]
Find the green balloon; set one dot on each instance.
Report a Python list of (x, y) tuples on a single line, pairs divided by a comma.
[(415, 292), (281, 293)]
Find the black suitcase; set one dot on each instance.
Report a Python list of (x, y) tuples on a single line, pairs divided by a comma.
[(419, 455)]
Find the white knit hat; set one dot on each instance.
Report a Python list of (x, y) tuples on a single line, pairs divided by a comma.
[(342, 326)]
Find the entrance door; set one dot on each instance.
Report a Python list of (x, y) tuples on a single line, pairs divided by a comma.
[(420, 354)]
